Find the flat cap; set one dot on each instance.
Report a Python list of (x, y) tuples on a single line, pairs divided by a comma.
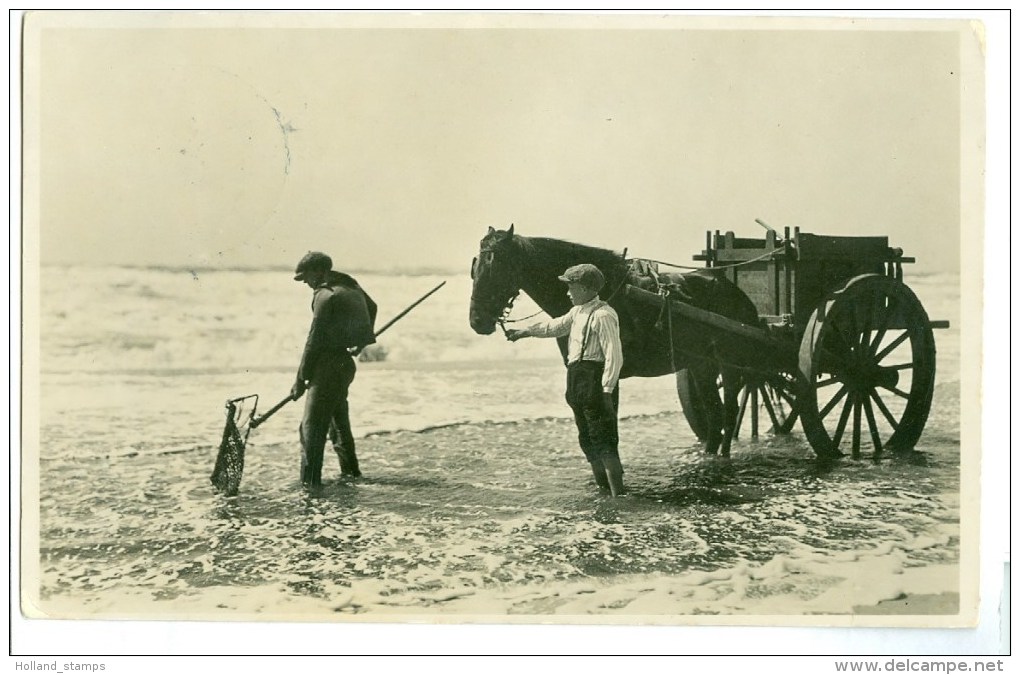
[(312, 262), (586, 274)]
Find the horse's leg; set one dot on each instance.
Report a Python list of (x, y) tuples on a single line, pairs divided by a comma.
[(732, 384), (704, 377)]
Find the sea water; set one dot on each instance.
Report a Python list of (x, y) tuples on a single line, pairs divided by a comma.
[(475, 500)]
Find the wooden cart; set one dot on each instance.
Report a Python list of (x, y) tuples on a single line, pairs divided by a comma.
[(842, 343)]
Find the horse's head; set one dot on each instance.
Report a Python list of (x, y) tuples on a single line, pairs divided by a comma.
[(494, 282)]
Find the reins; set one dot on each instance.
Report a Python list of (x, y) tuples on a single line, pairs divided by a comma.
[(623, 282), (504, 317), (509, 320), (763, 256)]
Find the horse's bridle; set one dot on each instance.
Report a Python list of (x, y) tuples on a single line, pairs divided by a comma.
[(489, 300), (503, 316)]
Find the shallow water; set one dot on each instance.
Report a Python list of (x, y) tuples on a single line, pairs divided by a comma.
[(475, 500)]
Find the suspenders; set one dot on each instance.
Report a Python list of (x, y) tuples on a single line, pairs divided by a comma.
[(586, 332)]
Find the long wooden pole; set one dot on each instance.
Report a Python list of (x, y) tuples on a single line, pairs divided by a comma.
[(256, 421), (400, 316)]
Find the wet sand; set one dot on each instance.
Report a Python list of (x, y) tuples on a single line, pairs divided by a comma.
[(663, 463), (699, 539)]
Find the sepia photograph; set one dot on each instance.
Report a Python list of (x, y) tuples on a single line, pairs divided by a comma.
[(501, 318)]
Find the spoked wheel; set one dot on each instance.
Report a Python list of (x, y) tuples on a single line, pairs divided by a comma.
[(771, 396), (867, 360)]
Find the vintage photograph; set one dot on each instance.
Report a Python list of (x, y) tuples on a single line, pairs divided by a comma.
[(513, 318)]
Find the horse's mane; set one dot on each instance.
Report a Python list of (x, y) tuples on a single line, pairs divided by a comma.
[(557, 254)]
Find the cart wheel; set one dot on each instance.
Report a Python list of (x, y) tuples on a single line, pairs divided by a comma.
[(867, 358), (772, 396), (690, 405)]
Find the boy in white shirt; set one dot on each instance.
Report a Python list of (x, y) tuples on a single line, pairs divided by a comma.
[(594, 358)]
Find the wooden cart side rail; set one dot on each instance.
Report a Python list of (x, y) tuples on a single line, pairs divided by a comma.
[(768, 349)]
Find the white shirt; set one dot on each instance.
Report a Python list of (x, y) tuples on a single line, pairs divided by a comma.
[(600, 337)]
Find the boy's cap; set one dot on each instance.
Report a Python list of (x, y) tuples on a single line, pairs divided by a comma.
[(586, 274)]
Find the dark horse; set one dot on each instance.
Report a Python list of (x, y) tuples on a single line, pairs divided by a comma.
[(508, 264)]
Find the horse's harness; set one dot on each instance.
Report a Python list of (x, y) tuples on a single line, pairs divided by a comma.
[(638, 266), (503, 317), (492, 300)]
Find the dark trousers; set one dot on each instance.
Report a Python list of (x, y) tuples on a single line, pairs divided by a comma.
[(327, 414), (597, 430)]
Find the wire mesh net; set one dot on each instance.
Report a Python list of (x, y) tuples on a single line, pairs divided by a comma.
[(226, 475)]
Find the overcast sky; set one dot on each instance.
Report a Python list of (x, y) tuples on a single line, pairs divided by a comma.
[(398, 147)]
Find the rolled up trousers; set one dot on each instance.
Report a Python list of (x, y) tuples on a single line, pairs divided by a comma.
[(597, 430), (327, 414)]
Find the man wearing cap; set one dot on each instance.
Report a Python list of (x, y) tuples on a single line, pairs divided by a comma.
[(594, 358), (343, 319)]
